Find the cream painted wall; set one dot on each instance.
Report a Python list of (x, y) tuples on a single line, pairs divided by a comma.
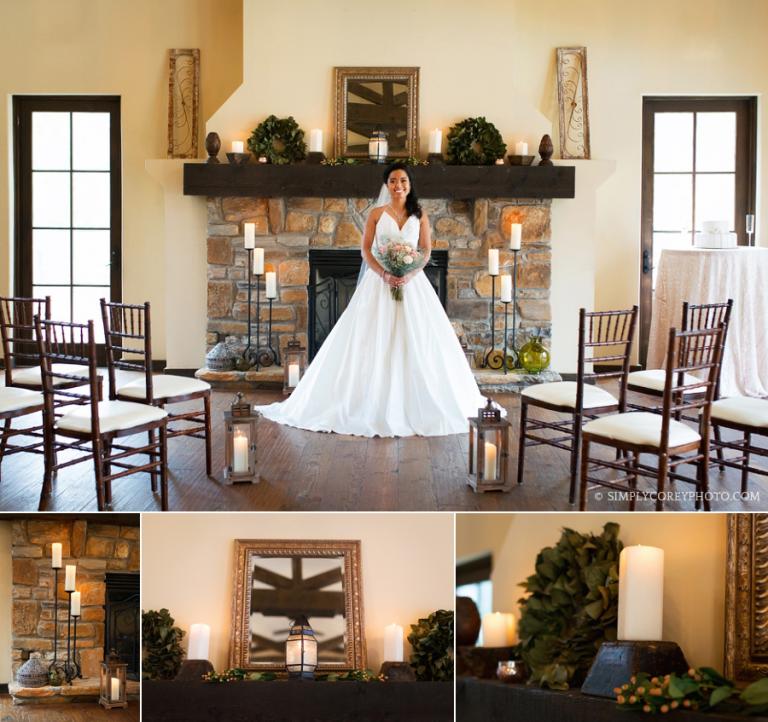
[(6, 579), (480, 533), (407, 566), (694, 567), (116, 47)]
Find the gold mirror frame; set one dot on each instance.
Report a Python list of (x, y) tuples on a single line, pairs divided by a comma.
[(409, 76), (246, 549), (746, 598)]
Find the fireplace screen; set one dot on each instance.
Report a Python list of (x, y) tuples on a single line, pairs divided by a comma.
[(332, 281), (121, 627)]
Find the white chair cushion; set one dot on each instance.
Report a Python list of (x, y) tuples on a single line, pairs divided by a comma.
[(14, 399), (163, 387), (113, 416), (32, 376), (563, 393), (642, 428), (653, 379), (742, 410)]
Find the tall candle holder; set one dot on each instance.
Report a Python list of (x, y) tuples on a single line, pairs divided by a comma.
[(53, 665), (493, 319), (249, 268), (506, 304), (69, 673), (515, 251), (275, 355), (76, 671)]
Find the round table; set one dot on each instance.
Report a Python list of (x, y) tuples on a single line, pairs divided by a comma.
[(702, 275)]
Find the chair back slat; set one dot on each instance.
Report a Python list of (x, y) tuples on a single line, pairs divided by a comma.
[(125, 323), (689, 351), (62, 342), (703, 316), (17, 329), (614, 330)]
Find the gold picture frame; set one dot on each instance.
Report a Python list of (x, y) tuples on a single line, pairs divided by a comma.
[(746, 598), (573, 102), (371, 98), (183, 102), (249, 551)]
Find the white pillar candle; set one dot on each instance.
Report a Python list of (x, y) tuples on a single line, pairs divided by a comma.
[(56, 555), (515, 236), (511, 629), (521, 148), (495, 630), (493, 261), (641, 594), (240, 452), (489, 470), (506, 288), (69, 579), (435, 140), (293, 375), (315, 140), (249, 235), (199, 641), (114, 690), (393, 643), (258, 261), (75, 604), (271, 283), (237, 146)]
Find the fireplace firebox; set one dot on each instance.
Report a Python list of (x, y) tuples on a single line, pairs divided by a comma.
[(121, 623)]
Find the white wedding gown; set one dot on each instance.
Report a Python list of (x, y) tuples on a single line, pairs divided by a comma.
[(387, 368)]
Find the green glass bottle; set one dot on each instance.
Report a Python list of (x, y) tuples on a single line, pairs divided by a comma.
[(534, 356)]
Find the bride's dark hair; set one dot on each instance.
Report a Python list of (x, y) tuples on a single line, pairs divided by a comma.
[(412, 205)]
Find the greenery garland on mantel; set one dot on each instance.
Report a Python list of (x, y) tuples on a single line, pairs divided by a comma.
[(279, 140)]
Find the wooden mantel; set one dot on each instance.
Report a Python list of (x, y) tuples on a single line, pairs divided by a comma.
[(360, 181)]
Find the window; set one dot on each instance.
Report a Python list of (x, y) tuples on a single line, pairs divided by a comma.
[(68, 214), (698, 166)]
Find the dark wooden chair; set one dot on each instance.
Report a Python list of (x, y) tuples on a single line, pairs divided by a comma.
[(128, 336), (608, 333), (673, 442), (92, 425), (14, 404)]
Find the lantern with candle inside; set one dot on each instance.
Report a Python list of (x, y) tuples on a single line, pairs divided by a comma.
[(378, 146), (294, 365), (639, 647), (196, 664), (488, 449), (112, 689), (240, 442), (301, 650)]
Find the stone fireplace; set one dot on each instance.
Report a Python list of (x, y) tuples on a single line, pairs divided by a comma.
[(290, 228), (107, 556)]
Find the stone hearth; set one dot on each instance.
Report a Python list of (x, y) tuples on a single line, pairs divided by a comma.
[(81, 690), (288, 227), (96, 549)]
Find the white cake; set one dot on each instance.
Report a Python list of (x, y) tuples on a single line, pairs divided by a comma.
[(715, 234)]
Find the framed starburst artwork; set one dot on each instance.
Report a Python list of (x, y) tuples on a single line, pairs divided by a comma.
[(183, 102), (573, 102)]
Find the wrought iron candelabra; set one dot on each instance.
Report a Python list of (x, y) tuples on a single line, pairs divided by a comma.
[(54, 665), (514, 311), (493, 320), (70, 670)]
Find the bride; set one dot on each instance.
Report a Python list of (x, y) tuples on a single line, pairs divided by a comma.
[(387, 368)]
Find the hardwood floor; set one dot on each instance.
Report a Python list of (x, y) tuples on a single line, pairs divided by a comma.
[(69, 712), (302, 470)]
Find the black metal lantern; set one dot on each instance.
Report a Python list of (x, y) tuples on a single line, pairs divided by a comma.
[(301, 650), (294, 365), (378, 146), (488, 449)]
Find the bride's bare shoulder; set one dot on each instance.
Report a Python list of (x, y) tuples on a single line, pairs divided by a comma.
[(376, 213)]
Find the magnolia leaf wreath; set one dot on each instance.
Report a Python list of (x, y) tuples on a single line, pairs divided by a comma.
[(475, 141), (279, 140)]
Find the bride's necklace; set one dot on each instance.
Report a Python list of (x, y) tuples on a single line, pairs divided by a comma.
[(400, 217)]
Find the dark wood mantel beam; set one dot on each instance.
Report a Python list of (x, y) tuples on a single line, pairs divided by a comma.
[(363, 181)]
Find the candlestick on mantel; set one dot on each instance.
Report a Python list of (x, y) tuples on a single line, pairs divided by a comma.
[(316, 140), (271, 284), (515, 236), (199, 641), (249, 235), (641, 594), (238, 146), (435, 140), (393, 643), (69, 579), (493, 262), (56, 555)]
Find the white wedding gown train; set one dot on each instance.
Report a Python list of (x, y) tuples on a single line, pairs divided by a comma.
[(387, 368)]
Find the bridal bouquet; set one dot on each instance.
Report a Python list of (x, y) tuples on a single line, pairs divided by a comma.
[(398, 258)]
